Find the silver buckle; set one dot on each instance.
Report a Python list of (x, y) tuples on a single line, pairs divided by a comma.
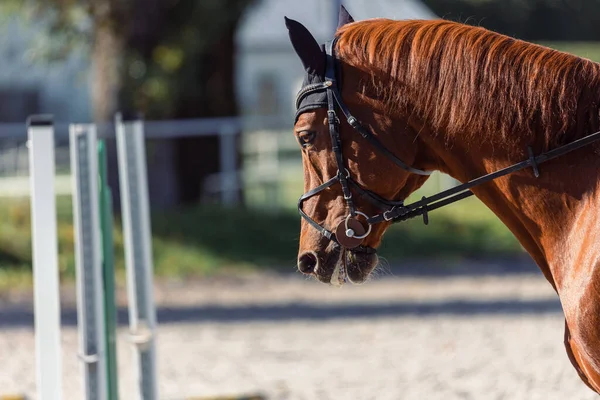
[(332, 115), (385, 214), (347, 173)]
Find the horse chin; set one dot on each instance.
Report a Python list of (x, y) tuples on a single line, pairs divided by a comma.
[(356, 270), (359, 266)]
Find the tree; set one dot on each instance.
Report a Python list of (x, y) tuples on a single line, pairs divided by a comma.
[(166, 59), (536, 20)]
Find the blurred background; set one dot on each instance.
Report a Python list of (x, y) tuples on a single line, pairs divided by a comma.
[(224, 218)]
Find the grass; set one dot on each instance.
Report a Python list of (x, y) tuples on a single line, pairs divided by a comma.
[(206, 240), (466, 229)]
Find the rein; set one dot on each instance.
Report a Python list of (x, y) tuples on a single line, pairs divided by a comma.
[(351, 232), (426, 204)]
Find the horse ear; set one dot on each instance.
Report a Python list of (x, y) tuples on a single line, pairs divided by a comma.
[(306, 47), (344, 18)]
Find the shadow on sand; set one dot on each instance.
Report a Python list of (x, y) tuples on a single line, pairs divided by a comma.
[(15, 317)]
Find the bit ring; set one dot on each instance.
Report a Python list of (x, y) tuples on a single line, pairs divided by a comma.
[(350, 232)]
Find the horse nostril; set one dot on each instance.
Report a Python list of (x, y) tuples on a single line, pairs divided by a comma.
[(307, 263)]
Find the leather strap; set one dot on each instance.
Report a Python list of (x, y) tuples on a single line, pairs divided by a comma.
[(328, 234)]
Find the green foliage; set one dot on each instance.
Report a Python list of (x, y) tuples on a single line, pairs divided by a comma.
[(205, 240), (465, 229), (162, 71), (557, 20), (65, 25)]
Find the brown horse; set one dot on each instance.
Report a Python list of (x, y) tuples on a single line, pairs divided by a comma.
[(439, 95)]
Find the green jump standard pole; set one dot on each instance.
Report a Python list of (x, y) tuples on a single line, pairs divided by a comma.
[(108, 272)]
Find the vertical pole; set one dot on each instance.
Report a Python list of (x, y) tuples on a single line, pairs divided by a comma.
[(108, 270), (138, 251), (228, 173), (90, 306), (45, 257)]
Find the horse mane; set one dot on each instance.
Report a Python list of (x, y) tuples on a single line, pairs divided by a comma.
[(467, 80)]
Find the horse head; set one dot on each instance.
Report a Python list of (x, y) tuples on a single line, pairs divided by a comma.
[(341, 126)]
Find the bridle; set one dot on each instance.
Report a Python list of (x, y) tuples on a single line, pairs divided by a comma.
[(348, 233), (351, 232)]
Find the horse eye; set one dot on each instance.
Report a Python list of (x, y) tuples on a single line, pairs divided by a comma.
[(306, 137)]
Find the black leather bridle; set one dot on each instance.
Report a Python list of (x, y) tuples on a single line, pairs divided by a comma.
[(347, 234)]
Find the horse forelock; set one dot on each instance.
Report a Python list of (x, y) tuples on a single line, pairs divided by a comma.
[(466, 80)]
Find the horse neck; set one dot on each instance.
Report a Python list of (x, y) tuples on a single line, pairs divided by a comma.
[(547, 214)]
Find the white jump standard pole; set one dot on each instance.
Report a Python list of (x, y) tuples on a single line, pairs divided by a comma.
[(45, 257), (138, 251)]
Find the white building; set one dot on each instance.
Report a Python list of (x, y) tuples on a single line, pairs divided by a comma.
[(28, 85), (268, 71)]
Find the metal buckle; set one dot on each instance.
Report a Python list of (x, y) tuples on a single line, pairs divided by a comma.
[(347, 173), (399, 207), (347, 177), (353, 122), (385, 214), (332, 116)]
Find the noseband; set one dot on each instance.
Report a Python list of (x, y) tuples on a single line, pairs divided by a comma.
[(350, 232)]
